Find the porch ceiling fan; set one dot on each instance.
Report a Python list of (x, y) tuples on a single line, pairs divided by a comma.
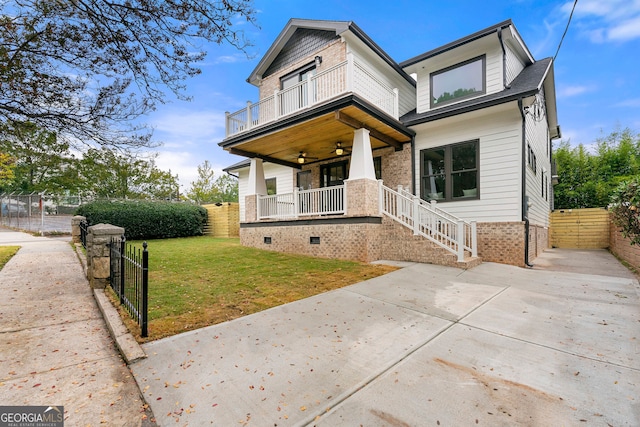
[(302, 158), (340, 150)]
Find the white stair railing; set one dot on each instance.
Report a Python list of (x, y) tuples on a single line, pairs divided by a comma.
[(469, 229), (441, 228)]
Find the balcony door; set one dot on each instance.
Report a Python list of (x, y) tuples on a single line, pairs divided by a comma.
[(293, 86), (333, 174)]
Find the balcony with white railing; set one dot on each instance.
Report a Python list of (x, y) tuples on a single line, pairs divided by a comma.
[(302, 203), (350, 76)]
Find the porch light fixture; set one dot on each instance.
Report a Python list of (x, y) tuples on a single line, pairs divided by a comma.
[(318, 60), (339, 149), (302, 158)]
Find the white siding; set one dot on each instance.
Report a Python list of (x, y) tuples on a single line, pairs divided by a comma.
[(488, 46), (243, 185), (514, 64), (285, 177), (407, 92), (499, 131), (538, 137)]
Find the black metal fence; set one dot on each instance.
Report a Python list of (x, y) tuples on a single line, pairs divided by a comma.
[(83, 233), (129, 279)]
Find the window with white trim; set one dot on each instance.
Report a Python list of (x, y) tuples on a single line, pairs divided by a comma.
[(271, 186)]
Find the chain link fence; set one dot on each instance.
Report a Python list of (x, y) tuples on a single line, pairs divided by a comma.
[(38, 213)]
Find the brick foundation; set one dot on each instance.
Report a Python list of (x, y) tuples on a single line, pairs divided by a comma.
[(501, 242), (348, 238), (538, 241), (362, 239)]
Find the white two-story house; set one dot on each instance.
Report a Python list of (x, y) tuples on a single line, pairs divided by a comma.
[(443, 158)]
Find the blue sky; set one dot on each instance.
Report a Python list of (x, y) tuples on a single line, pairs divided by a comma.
[(597, 70)]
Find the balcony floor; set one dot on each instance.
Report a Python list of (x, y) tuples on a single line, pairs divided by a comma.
[(315, 131)]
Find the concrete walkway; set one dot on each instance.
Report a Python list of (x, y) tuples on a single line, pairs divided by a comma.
[(423, 346), (54, 346)]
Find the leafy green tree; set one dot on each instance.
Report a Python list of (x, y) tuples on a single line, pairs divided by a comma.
[(626, 209), (589, 179), (86, 70), (7, 165), (42, 162), (106, 173), (209, 189)]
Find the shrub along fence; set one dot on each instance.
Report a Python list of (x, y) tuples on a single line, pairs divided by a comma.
[(148, 219)]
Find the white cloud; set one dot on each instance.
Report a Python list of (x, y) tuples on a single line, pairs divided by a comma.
[(230, 59), (606, 21), (634, 103), (627, 30), (189, 138), (184, 125), (568, 91)]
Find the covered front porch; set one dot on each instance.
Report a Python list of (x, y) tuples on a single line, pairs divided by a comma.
[(347, 211)]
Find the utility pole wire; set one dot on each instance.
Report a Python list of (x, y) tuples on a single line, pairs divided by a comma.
[(575, 2)]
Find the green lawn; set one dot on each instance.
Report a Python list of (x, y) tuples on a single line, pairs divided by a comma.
[(6, 252), (200, 281)]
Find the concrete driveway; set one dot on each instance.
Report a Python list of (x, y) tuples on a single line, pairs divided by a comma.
[(423, 346)]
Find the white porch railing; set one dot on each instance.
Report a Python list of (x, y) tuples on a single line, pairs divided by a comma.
[(349, 76), (319, 201), (440, 227)]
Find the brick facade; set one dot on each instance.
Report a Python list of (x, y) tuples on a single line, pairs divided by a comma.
[(622, 248), (362, 239), (352, 241), (394, 166), (333, 54), (501, 242), (250, 208), (396, 169), (538, 241), (362, 197)]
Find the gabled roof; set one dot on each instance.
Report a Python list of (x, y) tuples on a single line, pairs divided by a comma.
[(528, 83), (468, 39), (339, 27)]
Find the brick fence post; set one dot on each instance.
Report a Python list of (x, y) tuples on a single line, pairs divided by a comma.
[(98, 238), (75, 228)]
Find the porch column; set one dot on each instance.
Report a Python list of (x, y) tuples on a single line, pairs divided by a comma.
[(256, 186), (361, 157), (257, 183), (362, 186)]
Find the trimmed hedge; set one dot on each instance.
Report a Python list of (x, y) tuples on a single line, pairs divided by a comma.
[(147, 219)]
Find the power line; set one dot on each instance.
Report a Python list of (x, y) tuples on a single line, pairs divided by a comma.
[(575, 2)]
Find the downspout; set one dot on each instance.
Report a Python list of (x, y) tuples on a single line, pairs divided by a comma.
[(413, 166), (525, 207), (504, 60)]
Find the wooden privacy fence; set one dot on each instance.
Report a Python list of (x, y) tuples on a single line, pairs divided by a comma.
[(223, 219), (580, 228)]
